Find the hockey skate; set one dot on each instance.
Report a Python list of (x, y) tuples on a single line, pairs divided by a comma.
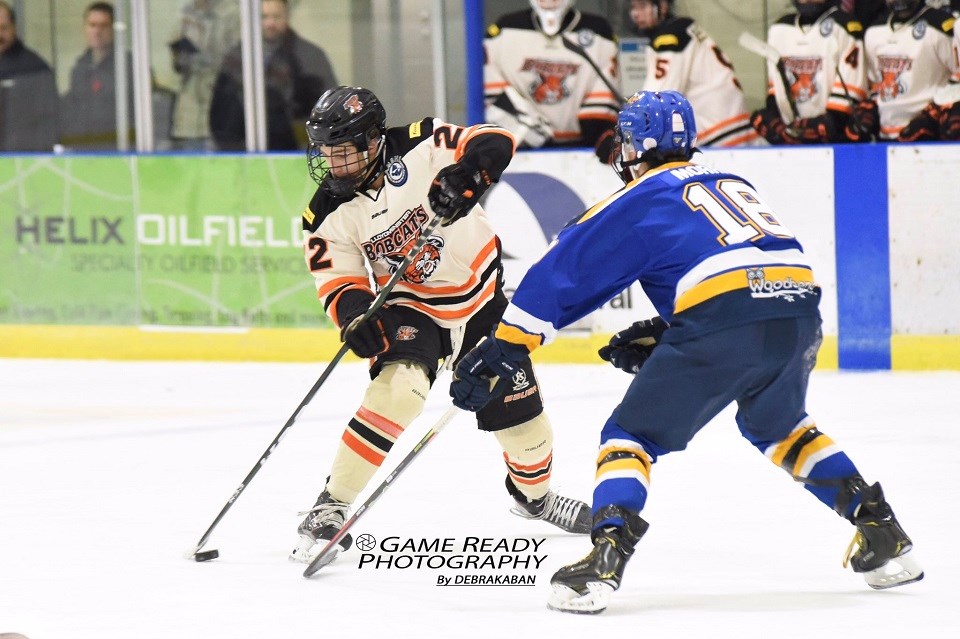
[(881, 550), (585, 587), (322, 523), (569, 514)]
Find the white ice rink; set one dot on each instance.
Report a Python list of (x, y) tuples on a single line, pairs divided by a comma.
[(109, 471)]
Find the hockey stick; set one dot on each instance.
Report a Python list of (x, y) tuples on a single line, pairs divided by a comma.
[(378, 301), (755, 45), (580, 51), (331, 550)]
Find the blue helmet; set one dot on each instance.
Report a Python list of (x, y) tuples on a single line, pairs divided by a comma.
[(659, 125)]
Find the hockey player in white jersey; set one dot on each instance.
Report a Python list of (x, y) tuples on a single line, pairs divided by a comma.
[(540, 82), (684, 58), (821, 49), (910, 58), (378, 187)]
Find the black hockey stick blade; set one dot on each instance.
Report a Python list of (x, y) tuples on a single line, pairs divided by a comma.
[(332, 549)]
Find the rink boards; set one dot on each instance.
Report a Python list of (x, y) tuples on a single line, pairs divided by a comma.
[(198, 257)]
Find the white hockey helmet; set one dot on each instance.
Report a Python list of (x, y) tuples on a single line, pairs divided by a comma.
[(551, 14)]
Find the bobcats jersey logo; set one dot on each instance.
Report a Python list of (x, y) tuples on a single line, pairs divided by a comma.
[(891, 68), (804, 72), (550, 85), (426, 262), (406, 334), (353, 104)]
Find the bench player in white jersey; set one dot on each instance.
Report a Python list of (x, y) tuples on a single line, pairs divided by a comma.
[(739, 322), (910, 58), (822, 52), (684, 58), (378, 187), (542, 90)]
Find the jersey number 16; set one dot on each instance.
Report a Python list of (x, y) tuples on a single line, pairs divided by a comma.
[(736, 210)]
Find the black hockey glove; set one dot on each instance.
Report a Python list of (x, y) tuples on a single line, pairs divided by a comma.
[(631, 347), (456, 190), (772, 128), (472, 385), (371, 337), (924, 127), (864, 122)]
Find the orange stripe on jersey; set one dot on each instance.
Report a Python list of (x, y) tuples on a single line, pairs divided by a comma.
[(598, 95), (566, 135), (451, 290), (743, 139), (855, 92), (597, 116), (478, 130), (530, 482), (495, 85), (334, 284), (540, 465), (452, 315), (362, 449), (722, 124), (382, 423)]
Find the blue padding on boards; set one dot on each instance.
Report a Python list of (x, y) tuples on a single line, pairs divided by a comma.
[(473, 23), (863, 255)]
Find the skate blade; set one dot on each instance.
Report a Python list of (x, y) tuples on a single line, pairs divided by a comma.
[(594, 601), (899, 571)]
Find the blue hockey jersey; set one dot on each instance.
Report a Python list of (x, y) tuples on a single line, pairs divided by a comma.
[(707, 250)]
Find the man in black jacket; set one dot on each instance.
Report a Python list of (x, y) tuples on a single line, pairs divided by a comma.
[(28, 92), (296, 74)]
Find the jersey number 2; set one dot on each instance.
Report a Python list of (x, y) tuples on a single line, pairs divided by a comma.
[(317, 251), (736, 210)]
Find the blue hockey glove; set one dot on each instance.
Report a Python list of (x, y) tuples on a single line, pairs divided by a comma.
[(471, 388), (631, 347)]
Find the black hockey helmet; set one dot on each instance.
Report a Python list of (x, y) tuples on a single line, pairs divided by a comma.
[(346, 115), (813, 9)]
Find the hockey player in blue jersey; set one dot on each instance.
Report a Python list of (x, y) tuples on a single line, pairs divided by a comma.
[(739, 322)]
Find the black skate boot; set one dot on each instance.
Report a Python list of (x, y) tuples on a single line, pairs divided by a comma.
[(585, 587), (323, 522), (566, 513), (880, 549)]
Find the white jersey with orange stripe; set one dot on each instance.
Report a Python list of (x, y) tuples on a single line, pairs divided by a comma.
[(684, 58), (347, 240), (906, 63), (824, 62), (558, 82)]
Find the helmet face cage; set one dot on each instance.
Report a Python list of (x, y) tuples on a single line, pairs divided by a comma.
[(657, 126), (345, 117), (551, 13)]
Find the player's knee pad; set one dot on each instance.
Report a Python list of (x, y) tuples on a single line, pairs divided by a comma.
[(528, 453), (399, 392)]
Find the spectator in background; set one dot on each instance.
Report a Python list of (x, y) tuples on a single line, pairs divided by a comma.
[(538, 84), (684, 58), (88, 111), (296, 74), (207, 31), (822, 52), (910, 61), (28, 92)]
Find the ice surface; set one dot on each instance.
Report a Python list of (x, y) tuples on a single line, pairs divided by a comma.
[(109, 471)]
